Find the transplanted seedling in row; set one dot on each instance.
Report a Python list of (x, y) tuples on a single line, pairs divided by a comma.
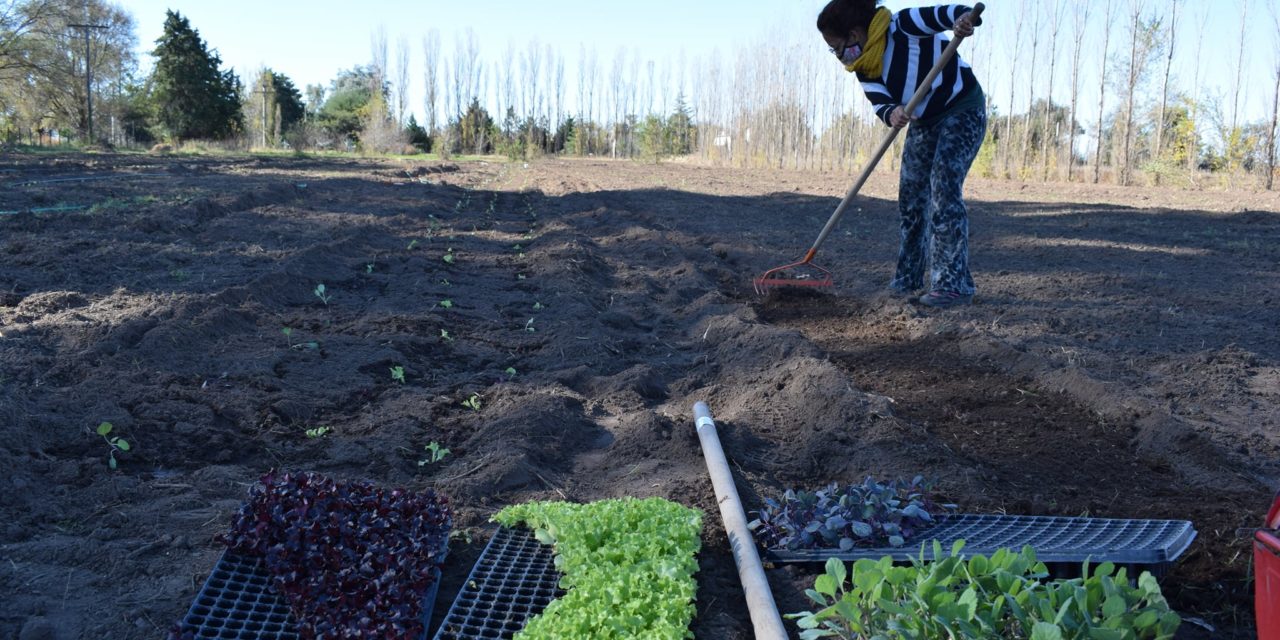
[(511, 371), (412, 243), (288, 335), (368, 268), (320, 293), (116, 443), (397, 374), (528, 326), (318, 432), (446, 304), (435, 453), (472, 403), (444, 334), (448, 256), (538, 306)]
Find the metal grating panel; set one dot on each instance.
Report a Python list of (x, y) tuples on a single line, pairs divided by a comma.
[(513, 580), (1055, 539), (238, 602)]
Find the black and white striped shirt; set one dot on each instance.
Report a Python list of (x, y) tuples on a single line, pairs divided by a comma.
[(915, 41)]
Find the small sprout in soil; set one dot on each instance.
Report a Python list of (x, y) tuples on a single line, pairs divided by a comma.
[(472, 403), (448, 256), (397, 374), (511, 371), (435, 453), (538, 306), (368, 268), (444, 282), (520, 276), (318, 432), (320, 293), (518, 248), (447, 304), (412, 243), (444, 334), (288, 335), (116, 443), (528, 326)]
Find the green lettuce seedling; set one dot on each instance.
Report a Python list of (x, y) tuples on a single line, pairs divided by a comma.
[(628, 567)]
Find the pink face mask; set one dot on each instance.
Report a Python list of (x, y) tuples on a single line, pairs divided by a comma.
[(850, 54)]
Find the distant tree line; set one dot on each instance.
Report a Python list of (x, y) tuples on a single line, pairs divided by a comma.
[(783, 103)]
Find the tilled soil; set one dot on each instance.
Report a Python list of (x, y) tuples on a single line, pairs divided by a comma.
[(1121, 359)]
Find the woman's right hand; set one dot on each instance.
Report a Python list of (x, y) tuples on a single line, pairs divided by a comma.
[(898, 118)]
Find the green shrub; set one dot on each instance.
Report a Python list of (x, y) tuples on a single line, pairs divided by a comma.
[(628, 567), (1004, 596)]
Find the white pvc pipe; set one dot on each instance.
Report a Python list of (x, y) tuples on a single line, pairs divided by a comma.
[(764, 612)]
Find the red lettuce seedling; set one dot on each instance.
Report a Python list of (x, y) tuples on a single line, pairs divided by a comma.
[(353, 560), (858, 515)]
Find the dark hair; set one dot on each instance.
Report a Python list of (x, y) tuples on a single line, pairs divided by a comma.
[(839, 17)]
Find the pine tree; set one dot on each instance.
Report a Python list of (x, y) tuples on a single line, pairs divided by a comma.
[(193, 97)]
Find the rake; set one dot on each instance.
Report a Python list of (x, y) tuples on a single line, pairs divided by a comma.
[(807, 274)]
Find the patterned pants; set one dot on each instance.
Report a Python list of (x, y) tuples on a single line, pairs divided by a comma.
[(935, 225)]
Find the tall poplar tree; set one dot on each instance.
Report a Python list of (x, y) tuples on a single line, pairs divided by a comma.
[(193, 97)]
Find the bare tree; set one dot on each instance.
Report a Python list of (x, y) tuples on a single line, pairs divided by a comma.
[(1135, 71), (1059, 8), (1079, 20), (1102, 88), (402, 78), (1164, 87), (1275, 104), (1031, 94), (430, 76)]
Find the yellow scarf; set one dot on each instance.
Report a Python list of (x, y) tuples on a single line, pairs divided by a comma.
[(871, 62)]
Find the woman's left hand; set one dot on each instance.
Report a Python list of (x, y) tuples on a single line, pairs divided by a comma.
[(964, 25)]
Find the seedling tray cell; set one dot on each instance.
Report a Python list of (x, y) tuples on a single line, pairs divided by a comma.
[(238, 602), (513, 580), (1156, 543)]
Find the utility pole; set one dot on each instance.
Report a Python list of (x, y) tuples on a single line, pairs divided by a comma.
[(88, 72), (263, 90)]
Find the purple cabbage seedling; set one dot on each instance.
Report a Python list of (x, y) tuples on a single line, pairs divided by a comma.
[(869, 514)]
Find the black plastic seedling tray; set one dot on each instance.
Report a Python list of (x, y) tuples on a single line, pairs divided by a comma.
[(238, 602), (1150, 544), (513, 580)]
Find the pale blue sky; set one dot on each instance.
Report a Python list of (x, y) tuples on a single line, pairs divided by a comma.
[(311, 41)]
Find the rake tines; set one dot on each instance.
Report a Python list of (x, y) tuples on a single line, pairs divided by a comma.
[(797, 274)]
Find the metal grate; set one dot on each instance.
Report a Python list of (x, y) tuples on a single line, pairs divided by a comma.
[(513, 580), (238, 602), (1055, 539)]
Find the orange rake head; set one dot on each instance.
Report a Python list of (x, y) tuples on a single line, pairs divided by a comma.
[(796, 274)]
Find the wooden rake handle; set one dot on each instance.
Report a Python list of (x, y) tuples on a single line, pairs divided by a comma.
[(921, 91)]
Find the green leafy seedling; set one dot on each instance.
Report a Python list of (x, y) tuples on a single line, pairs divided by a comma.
[(412, 243), (528, 326), (538, 306), (116, 443), (511, 371), (435, 453), (397, 374), (368, 268), (288, 335), (448, 256), (447, 304), (444, 334), (472, 403), (318, 432), (320, 293)]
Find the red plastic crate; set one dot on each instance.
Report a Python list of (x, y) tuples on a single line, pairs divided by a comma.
[(1266, 588)]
